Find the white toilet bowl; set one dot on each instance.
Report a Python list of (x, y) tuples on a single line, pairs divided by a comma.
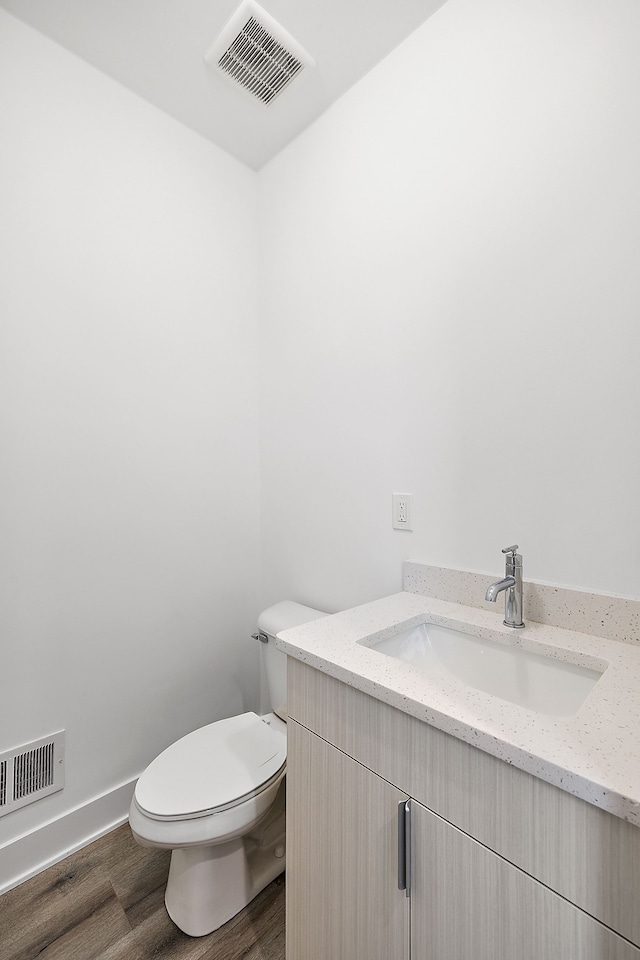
[(210, 798), (215, 798)]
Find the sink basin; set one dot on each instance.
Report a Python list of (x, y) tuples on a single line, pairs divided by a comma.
[(530, 680)]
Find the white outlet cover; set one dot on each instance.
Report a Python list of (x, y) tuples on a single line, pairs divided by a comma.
[(402, 511)]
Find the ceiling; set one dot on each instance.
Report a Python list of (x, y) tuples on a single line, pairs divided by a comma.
[(156, 49)]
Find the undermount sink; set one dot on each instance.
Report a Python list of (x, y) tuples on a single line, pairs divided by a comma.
[(530, 680)]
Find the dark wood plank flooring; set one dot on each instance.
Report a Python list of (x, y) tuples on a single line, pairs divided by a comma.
[(106, 902)]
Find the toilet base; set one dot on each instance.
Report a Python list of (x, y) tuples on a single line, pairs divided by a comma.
[(208, 885)]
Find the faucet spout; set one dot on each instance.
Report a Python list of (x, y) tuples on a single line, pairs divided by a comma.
[(498, 587)]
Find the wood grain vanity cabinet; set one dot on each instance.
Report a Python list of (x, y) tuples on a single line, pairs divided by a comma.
[(503, 866)]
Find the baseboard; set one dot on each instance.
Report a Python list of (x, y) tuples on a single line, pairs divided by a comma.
[(33, 852)]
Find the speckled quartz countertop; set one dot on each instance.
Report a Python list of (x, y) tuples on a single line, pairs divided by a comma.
[(594, 754)]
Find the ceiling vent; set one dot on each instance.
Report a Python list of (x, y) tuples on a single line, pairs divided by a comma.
[(255, 52)]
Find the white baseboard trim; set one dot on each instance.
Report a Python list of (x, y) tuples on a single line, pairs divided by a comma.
[(33, 852)]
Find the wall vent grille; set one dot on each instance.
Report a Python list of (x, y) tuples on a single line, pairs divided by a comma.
[(31, 771), (3, 783), (254, 51)]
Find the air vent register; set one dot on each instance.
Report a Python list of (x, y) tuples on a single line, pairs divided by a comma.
[(254, 51)]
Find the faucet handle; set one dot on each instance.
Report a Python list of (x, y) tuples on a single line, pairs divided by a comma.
[(511, 550)]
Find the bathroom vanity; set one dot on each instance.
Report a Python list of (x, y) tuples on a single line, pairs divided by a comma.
[(523, 836)]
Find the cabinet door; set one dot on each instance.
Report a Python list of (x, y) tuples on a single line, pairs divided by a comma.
[(467, 903), (343, 901)]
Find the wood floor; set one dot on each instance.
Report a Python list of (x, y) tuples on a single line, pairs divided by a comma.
[(106, 902)]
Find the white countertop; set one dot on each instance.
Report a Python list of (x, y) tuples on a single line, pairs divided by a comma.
[(594, 754)]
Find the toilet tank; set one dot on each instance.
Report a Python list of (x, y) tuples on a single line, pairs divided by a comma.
[(281, 616)]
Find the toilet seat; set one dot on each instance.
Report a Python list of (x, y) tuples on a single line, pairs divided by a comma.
[(213, 769)]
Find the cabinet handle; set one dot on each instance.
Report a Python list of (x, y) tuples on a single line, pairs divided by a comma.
[(404, 846), (407, 830)]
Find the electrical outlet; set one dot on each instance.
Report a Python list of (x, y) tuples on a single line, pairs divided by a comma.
[(401, 514)]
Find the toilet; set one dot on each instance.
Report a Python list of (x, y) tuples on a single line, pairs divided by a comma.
[(215, 798)]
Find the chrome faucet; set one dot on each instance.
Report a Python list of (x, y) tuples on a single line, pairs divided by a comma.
[(512, 585)]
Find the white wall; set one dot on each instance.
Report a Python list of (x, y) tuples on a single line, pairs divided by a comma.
[(452, 300), (129, 424)]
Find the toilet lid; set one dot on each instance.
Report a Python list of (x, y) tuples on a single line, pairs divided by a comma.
[(219, 765)]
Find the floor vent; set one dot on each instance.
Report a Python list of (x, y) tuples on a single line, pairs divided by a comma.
[(257, 53), (31, 771)]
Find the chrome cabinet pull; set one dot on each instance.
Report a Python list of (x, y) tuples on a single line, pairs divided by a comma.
[(404, 846), (407, 857)]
